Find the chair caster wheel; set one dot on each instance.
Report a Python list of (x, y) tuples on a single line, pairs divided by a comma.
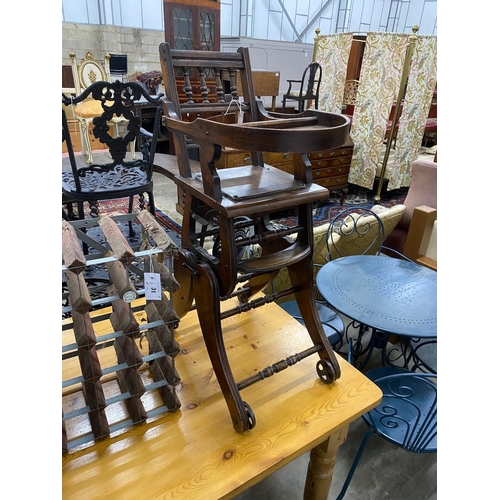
[(250, 414), (325, 371)]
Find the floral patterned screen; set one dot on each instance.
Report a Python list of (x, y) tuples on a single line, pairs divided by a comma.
[(379, 83), (332, 53), (417, 101)]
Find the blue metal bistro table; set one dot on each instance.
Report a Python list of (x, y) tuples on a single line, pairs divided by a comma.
[(390, 296)]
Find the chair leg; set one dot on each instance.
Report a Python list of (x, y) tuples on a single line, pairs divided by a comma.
[(151, 203), (94, 209), (81, 212), (86, 147), (132, 149), (207, 297), (369, 432), (81, 215), (130, 207), (328, 364)]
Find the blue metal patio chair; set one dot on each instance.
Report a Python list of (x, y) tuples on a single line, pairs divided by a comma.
[(407, 415)]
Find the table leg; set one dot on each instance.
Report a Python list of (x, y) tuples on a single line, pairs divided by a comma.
[(321, 463)]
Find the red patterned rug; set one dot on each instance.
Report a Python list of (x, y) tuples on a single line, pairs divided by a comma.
[(120, 206)]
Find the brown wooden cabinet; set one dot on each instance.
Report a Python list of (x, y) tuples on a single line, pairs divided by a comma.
[(192, 25), (329, 168)]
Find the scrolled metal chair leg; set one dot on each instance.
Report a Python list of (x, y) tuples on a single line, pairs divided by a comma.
[(369, 432)]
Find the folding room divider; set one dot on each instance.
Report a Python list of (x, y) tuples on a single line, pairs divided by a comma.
[(395, 67)]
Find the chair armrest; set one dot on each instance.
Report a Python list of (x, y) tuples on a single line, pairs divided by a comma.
[(419, 235)]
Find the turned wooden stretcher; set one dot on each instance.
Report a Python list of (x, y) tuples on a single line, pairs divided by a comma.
[(235, 206)]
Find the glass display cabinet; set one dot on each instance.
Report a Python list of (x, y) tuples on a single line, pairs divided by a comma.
[(192, 25)]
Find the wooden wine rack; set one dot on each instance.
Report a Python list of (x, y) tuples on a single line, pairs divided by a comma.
[(118, 349)]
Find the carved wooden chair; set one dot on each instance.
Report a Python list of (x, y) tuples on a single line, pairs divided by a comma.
[(309, 87), (86, 72), (236, 206), (115, 174)]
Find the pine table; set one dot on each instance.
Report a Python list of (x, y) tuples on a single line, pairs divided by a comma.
[(195, 452)]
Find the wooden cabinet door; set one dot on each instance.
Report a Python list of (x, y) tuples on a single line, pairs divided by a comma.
[(192, 25)]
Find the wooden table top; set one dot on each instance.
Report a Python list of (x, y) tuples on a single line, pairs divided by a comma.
[(195, 452)]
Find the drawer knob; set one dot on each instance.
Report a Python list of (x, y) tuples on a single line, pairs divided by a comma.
[(287, 155), (248, 159)]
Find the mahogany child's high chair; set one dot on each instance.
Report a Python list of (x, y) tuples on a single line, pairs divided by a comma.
[(236, 205)]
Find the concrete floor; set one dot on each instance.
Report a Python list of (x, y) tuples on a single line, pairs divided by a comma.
[(384, 472)]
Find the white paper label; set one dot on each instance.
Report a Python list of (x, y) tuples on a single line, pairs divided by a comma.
[(152, 286)]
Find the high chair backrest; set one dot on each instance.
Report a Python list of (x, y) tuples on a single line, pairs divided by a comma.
[(194, 86)]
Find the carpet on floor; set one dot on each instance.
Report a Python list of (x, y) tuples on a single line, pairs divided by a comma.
[(120, 207), (325, 211)]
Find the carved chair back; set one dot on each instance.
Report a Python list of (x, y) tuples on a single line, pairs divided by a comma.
[(313, 80), (354, 231), (89, 70), (116, 100), (207, 88)]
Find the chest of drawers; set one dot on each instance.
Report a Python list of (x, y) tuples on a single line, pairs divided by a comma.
[(329, 168)]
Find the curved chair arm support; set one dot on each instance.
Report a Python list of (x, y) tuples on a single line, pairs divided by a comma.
[(319, 130)]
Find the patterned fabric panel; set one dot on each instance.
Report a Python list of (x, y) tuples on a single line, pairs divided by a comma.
[(421, 83), (332, 53), (379, 83)]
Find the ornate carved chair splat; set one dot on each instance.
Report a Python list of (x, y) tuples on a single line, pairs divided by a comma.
[(117, 174), (236, 206)]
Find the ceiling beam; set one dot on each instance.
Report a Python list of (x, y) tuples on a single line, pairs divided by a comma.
[(314, 19), (290, 21)]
